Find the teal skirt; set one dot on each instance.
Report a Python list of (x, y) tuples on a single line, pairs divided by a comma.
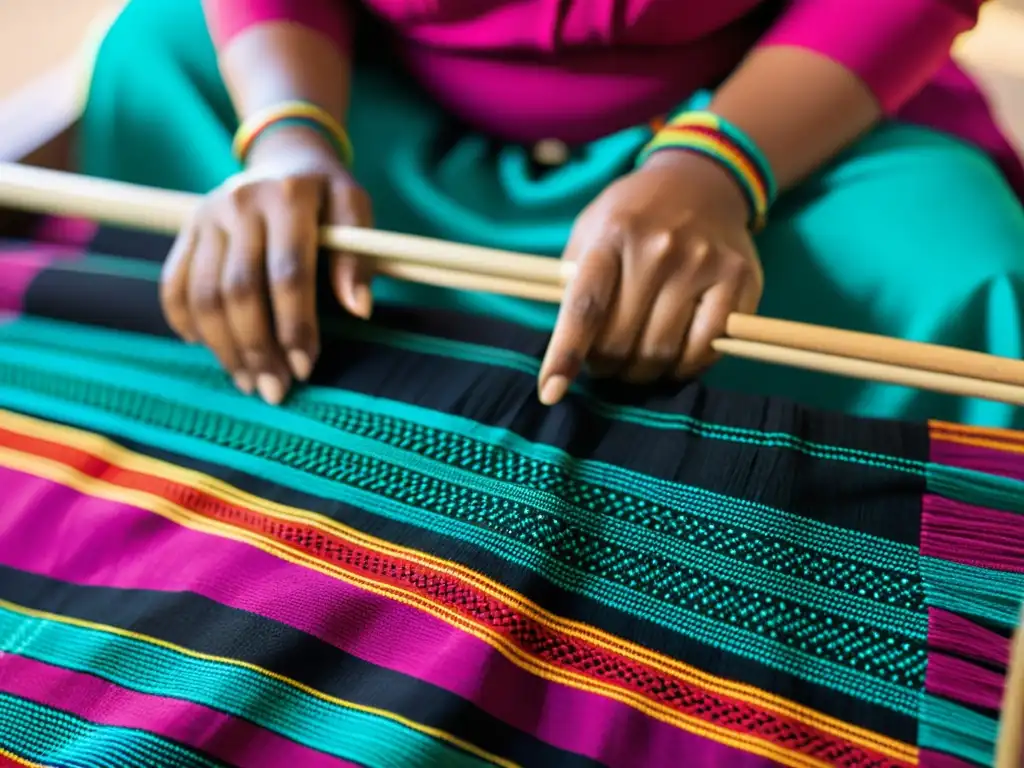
[(911, 233)]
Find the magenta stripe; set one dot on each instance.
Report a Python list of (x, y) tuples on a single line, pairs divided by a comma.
[(955, 634), (221, 736), (963, 681), (17, 271), (53, 530), (929, 759), (964, 533), (988, 460), (66, 231)]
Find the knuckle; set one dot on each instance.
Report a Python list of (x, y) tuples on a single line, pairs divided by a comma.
[(659, 245), (736, 268), (289, 273), (351, 202), (698, 252), (612, 350), (623, 226), (240, 197), (207, 299), (241, 282), (294, 334), (661, 353), (294, 188), (586, 307)]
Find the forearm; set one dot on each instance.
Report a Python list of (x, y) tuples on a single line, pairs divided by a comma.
[(281, 61), (827, 70), (799, 107), (271, 51)]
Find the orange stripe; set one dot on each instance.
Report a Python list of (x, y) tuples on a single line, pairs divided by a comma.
[(27, 435), (1011, 436)]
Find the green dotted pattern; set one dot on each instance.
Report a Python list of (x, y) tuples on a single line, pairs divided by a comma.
[(666, 561)]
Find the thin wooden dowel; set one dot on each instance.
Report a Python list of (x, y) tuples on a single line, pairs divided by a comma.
[(1010, 747), (880, 349), (853, 368), (437, 262), (156, 210), (467, 281)]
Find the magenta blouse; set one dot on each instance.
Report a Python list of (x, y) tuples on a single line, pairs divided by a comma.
[(577, 70)]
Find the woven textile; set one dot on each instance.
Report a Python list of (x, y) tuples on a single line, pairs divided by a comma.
[(413, 563)]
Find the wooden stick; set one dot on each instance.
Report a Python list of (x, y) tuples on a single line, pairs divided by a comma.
[(66, 194), (420, 259), (468, 281), (1010, 747), (963, 386), (880, 349)]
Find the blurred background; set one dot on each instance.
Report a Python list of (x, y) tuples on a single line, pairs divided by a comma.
[(38, 37)]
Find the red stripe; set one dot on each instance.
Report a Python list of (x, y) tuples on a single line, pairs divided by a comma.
[(543, 643)]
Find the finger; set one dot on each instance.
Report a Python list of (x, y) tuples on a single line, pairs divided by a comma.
[(206, 303), (350, 280), (643, 271), (661, 343), (348, 205), (584, 310), (174, 279), (291, 266), (709, 320), (244, 288)]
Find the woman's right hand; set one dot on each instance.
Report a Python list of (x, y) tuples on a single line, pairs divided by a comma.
[(241, 277)]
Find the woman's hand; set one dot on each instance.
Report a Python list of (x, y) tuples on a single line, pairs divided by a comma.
[(663, 256), (241, 277)]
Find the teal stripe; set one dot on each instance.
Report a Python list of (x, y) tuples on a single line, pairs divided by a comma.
[(978, 488), (956, 730), (142, 666), (52, 737), (198, 366), (968, 590), (115, 266), (781, 599), (773, 653), (477, 353)]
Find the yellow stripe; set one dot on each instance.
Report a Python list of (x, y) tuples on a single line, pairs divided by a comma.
[(126, 633), (61, 473), (115, 454), (701, 141)]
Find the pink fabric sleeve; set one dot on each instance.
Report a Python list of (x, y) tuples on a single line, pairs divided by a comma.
[(894, 46), (226, 18)]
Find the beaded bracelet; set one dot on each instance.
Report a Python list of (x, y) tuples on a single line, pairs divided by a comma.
[(707, 134), (292, 113)]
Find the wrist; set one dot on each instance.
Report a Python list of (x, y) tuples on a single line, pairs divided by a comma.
[(718, 186), (292, 141)]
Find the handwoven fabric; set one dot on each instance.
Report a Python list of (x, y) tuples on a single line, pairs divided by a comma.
[(413, 563)]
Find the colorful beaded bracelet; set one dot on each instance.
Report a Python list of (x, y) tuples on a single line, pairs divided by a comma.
[(292, 113), (709, 135)]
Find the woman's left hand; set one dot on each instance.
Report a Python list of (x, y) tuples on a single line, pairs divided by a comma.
[(663, 256)]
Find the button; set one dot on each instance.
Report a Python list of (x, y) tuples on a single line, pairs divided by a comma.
[(550, 153)]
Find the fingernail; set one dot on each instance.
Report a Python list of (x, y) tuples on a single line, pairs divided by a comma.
[(362, 301), (270, 388), (554, 389), (243, 381), (300, 363)]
